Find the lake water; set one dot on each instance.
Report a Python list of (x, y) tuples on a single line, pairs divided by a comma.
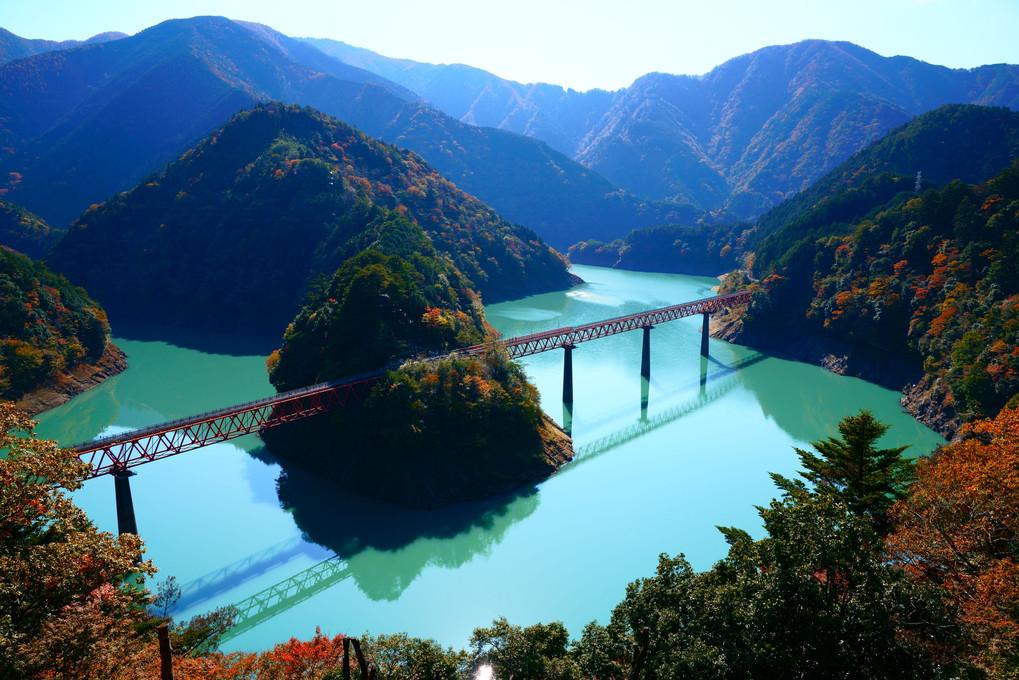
[(658, 466)]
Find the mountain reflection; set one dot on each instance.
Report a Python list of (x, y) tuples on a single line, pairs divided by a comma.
[(386, 546)]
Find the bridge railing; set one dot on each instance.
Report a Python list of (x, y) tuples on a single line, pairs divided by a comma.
[(123, 450)]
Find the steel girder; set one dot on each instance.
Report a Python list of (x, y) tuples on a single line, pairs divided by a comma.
[(525, 345), (119, 452)]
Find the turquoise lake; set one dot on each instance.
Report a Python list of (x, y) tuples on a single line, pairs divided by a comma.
[(646, 480)]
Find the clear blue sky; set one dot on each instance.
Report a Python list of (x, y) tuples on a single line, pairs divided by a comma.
[(578, 43)]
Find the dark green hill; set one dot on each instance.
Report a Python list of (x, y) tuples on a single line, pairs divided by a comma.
[(87, 122), (967, 143), (230, 233), (971, 143)]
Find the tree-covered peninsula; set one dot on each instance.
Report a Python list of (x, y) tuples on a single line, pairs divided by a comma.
[(433, 430), (229, 234), (54, 339)]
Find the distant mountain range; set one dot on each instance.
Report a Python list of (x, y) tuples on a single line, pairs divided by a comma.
[(81, 124), (15, 47), (78, 125), (743, 137)]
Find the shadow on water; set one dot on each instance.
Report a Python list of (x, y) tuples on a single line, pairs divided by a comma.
[(712, 386), (357, 528), (210, 342)]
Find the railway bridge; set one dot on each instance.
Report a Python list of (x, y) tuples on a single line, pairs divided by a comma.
[(116, 454)]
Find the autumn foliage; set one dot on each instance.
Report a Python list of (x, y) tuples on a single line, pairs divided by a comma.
[(959, 528)]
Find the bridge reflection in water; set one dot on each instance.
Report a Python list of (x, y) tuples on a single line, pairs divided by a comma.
[(290, 592)]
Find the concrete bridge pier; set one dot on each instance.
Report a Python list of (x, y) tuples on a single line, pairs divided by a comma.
[(568, 374), (704, 334), (125, 506), (645, 355), (568, 419), (704, 373)]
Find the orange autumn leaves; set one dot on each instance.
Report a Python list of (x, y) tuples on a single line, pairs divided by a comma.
[(959, 528)]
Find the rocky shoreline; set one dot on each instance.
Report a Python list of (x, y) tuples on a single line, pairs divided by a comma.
[(82, 377), (927, 403)]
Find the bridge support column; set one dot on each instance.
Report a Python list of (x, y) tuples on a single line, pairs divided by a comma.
[(645, 355), (568, 374), (125, 506), (704, 334)]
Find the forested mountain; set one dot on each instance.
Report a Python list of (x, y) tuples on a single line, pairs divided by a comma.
[(230, 233), (744, 136), (965, 142), (15, 47), (87, 122), (932, 277)]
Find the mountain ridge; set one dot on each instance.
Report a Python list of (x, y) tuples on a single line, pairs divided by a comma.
[(722, 135)]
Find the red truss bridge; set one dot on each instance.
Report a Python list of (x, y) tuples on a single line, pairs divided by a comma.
[(116, 453), (525, 345)]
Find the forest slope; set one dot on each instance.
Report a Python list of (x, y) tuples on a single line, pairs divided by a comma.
[(229, 235)]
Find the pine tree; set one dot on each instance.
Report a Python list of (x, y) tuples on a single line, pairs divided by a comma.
[(867, 479)]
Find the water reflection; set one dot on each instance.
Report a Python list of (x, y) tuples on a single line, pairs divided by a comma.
[(722, 382), (787, 392), (209, 342), (243, 570), (358, 529)]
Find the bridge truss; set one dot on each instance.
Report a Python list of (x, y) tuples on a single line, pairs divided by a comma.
[(525, 345), (116, 453)]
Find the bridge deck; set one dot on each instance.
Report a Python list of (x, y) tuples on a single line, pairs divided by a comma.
[(119, 452)]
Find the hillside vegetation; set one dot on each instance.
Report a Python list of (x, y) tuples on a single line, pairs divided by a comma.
[(25, 232), (932, 277), (433, 430), (47, 326), (230, 233)]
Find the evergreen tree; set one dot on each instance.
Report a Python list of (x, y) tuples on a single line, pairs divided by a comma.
[(851, 469)]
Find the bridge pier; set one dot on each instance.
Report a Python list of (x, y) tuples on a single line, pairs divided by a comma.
[(704, 374), (568, 419), (704, 334), (125, 506), (645, 355), (568, 374)]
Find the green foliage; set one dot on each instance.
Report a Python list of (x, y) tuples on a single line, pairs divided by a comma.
[(850, 469), (708, 249), (375, 307), (23, 231), (538, 652), (401, 657), (933, 277), (231, 232), (47, 326), (813, 599), (431, 432)]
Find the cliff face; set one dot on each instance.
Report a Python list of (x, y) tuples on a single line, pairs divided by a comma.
[(82, 377), (929, 404)]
